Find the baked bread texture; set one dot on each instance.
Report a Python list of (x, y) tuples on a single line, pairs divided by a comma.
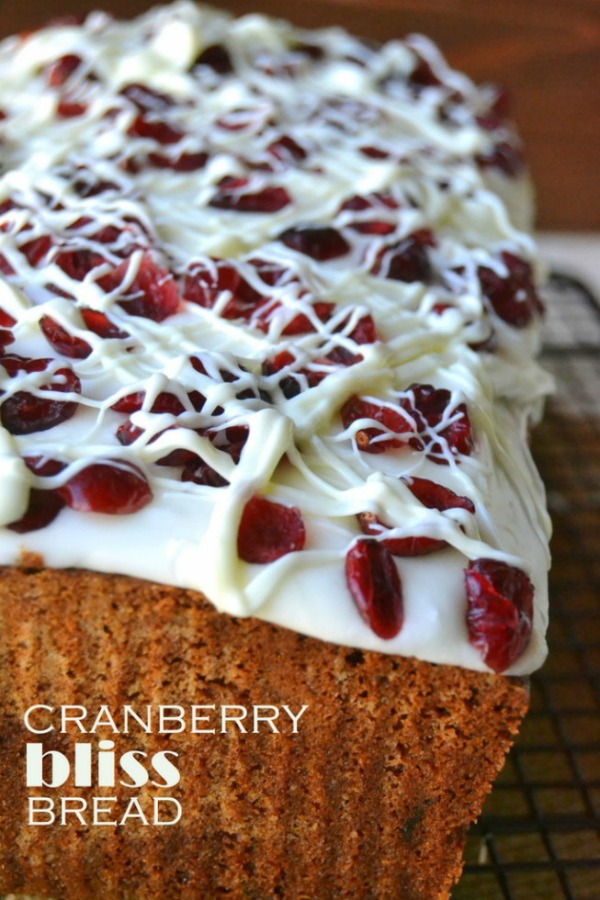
[(274, 551)]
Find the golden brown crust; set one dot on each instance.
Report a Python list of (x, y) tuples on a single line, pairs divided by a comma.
[(371, 798)]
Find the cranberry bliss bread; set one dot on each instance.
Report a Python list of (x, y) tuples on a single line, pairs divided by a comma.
[(268, 320)]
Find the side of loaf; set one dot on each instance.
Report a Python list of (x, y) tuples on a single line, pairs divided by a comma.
[(371, 798)]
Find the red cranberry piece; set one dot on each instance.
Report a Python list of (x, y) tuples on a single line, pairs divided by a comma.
[(42, 509), (301, 324), (321, 242), (70, 109), (312, 51), (231, 440), (364, 332), (37, 249), (6, 338), (428, 407), (153, 293), (499, 611), (199, 472), (99, 323), (408, 546), (423, 75), (498, 112), (436, 496), (371, 439), (5, 266), (408, 260), (374, 152), (232, 196), (203, 285), (6, 321), (79, 263), (504, 156), (62, 341), (165, 402), (375, 586), (115, 487), (44, 466), (185, 162), (156, 129), (216, 57), (58, 72), (513, 297), (287, 150), (146, 99), (269, 530), (26, 413)]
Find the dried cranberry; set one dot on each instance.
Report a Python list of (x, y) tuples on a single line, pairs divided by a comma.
[(115, 487), (6, 321), (301, 324), (199, 472), (436, 496), (217, 57), (423, 75), (99, 323), (58, 72), (184, 162), (42, 508), (269, 530), (37, 249), (79, 263), (71, 109), (513, 297), (408, 260), (26, 413), (153, 294), (375, 440), (204, 285), (365, 331), (62, 341), (164, 402), (376, 201), (504, 156), (374, 152), (44, 466), (375, 586), (428, 406), (499, 611), (231, 195), (498, 111), (147, 99), (287, 150), (407, 546), (156, 129), (321, 242), (6, 337)]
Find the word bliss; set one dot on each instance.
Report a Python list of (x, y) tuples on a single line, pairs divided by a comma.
[(101, 767)]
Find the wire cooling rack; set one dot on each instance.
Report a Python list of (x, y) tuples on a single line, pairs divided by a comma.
[(539, 835)]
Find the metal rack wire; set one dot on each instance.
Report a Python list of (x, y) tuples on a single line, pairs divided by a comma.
[(539, 835)]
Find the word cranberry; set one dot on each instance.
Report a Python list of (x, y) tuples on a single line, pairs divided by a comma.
[(375, 586), (114, 487), (26, 413), (269, 530), (321, 242), (499, 611)]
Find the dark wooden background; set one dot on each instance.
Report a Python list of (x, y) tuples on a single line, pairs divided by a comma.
[(546, 51)]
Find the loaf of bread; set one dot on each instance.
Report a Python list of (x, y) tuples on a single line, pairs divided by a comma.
[(274, 551)]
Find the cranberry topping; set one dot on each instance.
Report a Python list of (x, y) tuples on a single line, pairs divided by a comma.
[(153, 294), (165, 402), (58, 72), (44, 466), (100, 324), (504, 156), (42, 508), (513, 297), (287, 150), (184, 162), (499, 611), (375, 586), (115, 487), (147, 99), (423, 75), (429, 406), (156, 129), (371, 439), (37, 249), (231, 195), (269, 530), (321, 242), (199, 472), (408, 260), (65, 343), (204, 285), (26, 413), (70, 109), (436, 496), (217, 57), (79, 263)]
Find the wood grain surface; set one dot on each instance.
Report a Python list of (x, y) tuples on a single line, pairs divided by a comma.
[(547, 52)]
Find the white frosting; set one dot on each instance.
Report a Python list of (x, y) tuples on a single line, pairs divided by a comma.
[(298, 452)]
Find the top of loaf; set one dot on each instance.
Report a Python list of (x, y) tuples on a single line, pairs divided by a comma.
[(269, 315)]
